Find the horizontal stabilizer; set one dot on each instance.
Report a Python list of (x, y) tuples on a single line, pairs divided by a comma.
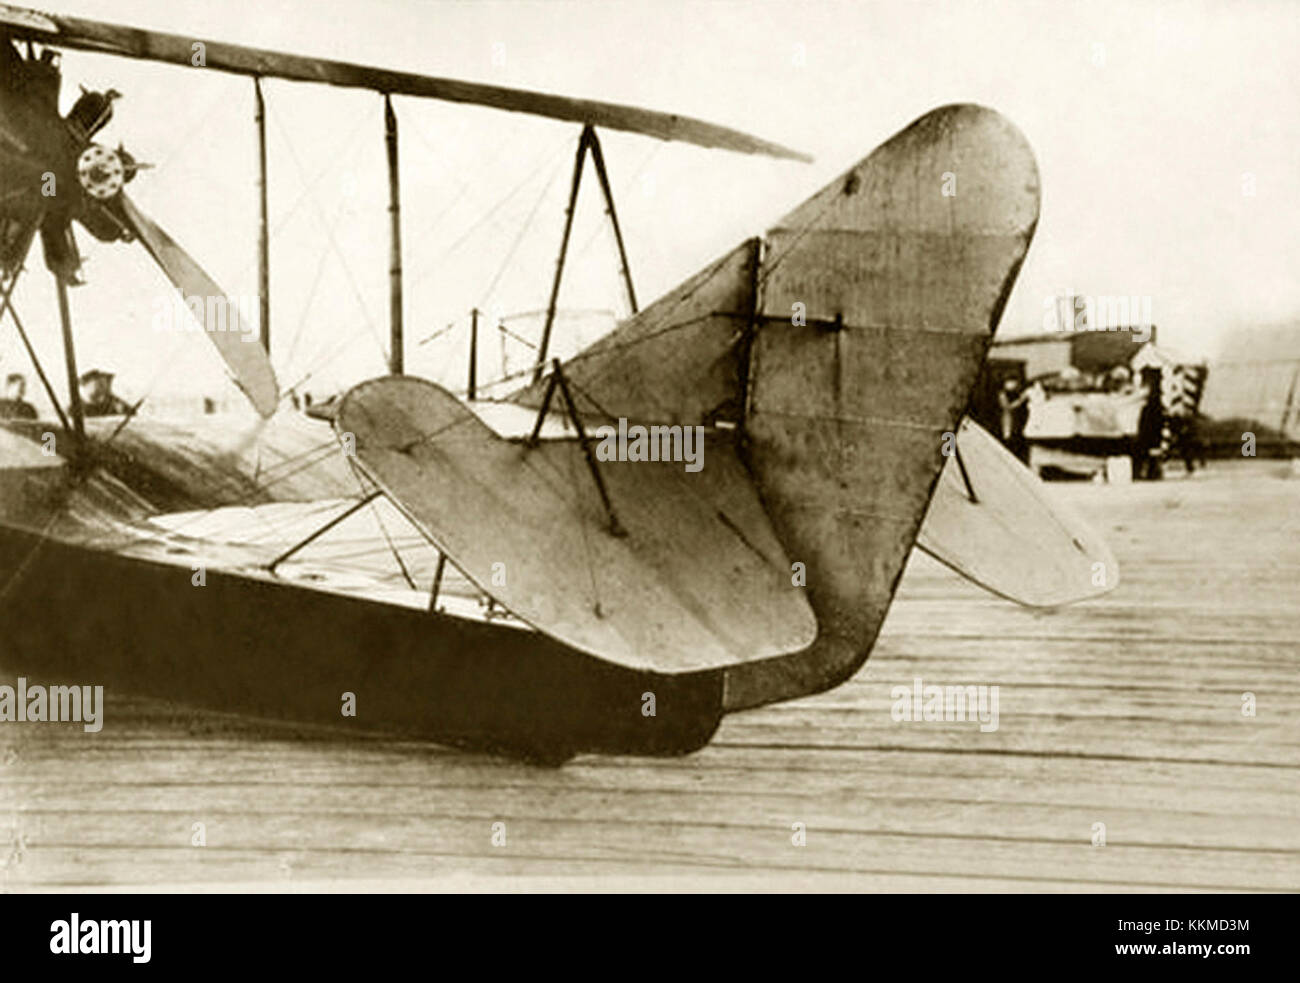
[(1012, 538), (699, 580)]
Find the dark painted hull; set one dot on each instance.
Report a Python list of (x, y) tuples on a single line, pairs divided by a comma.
[(249, 646)]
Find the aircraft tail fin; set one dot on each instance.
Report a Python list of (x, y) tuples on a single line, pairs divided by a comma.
[(843, 346)]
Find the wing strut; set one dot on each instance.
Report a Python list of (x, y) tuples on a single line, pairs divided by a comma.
[(557, 381), (70, 359), (587, 143), (395, 359), (263, 226), (346, 513), (6, 304)]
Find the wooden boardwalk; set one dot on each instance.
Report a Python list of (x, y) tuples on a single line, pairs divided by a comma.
[(1125, 711)]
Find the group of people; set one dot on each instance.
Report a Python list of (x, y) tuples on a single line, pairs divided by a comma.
[(1161, 431), (97, 397)]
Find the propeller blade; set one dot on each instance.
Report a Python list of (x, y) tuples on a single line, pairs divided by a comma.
[(130, 42), (221, 321)]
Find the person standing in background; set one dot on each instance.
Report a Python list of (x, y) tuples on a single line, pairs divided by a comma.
[(1014, 416), (1150, 429)]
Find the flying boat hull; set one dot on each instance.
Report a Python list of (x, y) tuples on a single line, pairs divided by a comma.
[(841, 350), (257, 647)]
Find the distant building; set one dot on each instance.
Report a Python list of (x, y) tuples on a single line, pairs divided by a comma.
[(1087, 351)]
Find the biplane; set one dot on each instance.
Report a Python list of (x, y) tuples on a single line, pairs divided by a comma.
[(542, 601)]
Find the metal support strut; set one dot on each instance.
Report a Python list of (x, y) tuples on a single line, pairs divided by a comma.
[(437, 581), (263, 232), (70, 360), (6, 304), (559, 382), (970, 489), (346, 513), (588, 142), (598, 158), (544, 408), (395, 358)]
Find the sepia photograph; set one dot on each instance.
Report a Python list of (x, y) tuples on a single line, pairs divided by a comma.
[(662, 446)]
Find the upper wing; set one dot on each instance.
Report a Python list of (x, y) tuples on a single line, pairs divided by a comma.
[(132, 42), (699, 581), (1012, 538)]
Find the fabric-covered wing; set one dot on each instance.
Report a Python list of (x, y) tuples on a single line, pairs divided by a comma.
[(133, 42), (698, 582)]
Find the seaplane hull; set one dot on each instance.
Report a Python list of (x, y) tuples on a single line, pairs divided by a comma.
[(261, 648), (830, 364)]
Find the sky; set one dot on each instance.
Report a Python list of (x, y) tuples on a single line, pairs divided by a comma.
[(1167, 136)]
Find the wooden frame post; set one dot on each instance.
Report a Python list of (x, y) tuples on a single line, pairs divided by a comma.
[(263, 227), (396, 362)]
